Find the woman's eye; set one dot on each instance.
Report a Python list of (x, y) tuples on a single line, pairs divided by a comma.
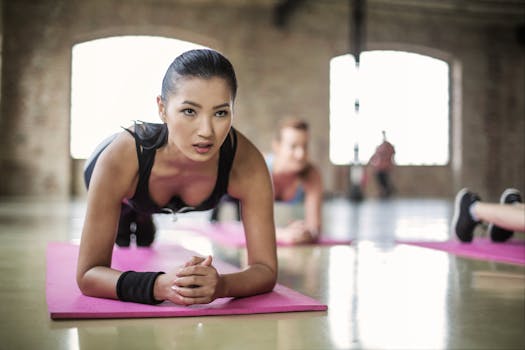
[(188, 111), (221, 113)]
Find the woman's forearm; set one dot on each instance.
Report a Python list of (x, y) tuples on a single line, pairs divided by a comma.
[(99, 281), (255, 279)]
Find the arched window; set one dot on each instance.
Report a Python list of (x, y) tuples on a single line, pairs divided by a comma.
[(404, 94), (115, 81)]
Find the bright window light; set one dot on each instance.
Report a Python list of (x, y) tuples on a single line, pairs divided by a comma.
[(115, 81), (404, 94)]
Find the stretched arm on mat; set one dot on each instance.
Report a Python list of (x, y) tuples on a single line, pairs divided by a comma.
[(307, 230), (114, 178)]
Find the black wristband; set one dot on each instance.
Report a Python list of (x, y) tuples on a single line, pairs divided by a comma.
[(138, 287)]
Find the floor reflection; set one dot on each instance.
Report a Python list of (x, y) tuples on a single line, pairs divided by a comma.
[(342, 297), (388, 220), (376, 220), (399, 299), (380, 295)]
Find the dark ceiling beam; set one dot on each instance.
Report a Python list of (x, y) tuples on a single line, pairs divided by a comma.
[(283, 11), (357, 27)]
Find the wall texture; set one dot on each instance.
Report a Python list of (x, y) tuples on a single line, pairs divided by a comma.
[(281, 70)]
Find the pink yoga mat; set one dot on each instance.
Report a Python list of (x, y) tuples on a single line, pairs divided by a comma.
[(480, 248), (231, 234), (65, 300)]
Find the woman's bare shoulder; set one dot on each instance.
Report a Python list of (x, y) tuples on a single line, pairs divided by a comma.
[(247, 154), (117, 166), (249, 166), (121, 152)]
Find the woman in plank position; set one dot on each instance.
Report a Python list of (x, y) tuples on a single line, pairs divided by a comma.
[(187, 162)]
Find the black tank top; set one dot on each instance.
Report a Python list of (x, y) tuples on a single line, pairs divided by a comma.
[(151, 136)]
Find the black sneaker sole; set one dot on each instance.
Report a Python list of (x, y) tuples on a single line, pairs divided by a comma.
[(457, 211)]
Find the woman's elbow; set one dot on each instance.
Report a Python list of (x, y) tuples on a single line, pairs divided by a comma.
[(81, 283), (271, 280), (271, 285), (84, 283)]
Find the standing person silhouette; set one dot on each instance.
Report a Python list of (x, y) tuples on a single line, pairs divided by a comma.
[(382, 164)]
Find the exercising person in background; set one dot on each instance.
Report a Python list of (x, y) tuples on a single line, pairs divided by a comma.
[(296, 180)]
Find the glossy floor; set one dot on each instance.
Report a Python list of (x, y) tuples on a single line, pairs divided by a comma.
[(380, 295)]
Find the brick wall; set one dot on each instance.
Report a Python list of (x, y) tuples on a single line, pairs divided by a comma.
[(280, 70)]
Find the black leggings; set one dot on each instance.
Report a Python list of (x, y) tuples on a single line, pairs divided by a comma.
[(383, 179)]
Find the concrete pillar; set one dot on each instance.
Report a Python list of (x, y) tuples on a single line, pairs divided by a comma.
[(34, 127)]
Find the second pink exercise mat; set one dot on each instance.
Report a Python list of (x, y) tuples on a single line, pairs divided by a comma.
[(481, 248), (231, 234)]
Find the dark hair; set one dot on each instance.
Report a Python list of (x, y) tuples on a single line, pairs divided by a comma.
[(202, 63)]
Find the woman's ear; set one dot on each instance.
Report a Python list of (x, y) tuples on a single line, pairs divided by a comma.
[(161, 109)]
